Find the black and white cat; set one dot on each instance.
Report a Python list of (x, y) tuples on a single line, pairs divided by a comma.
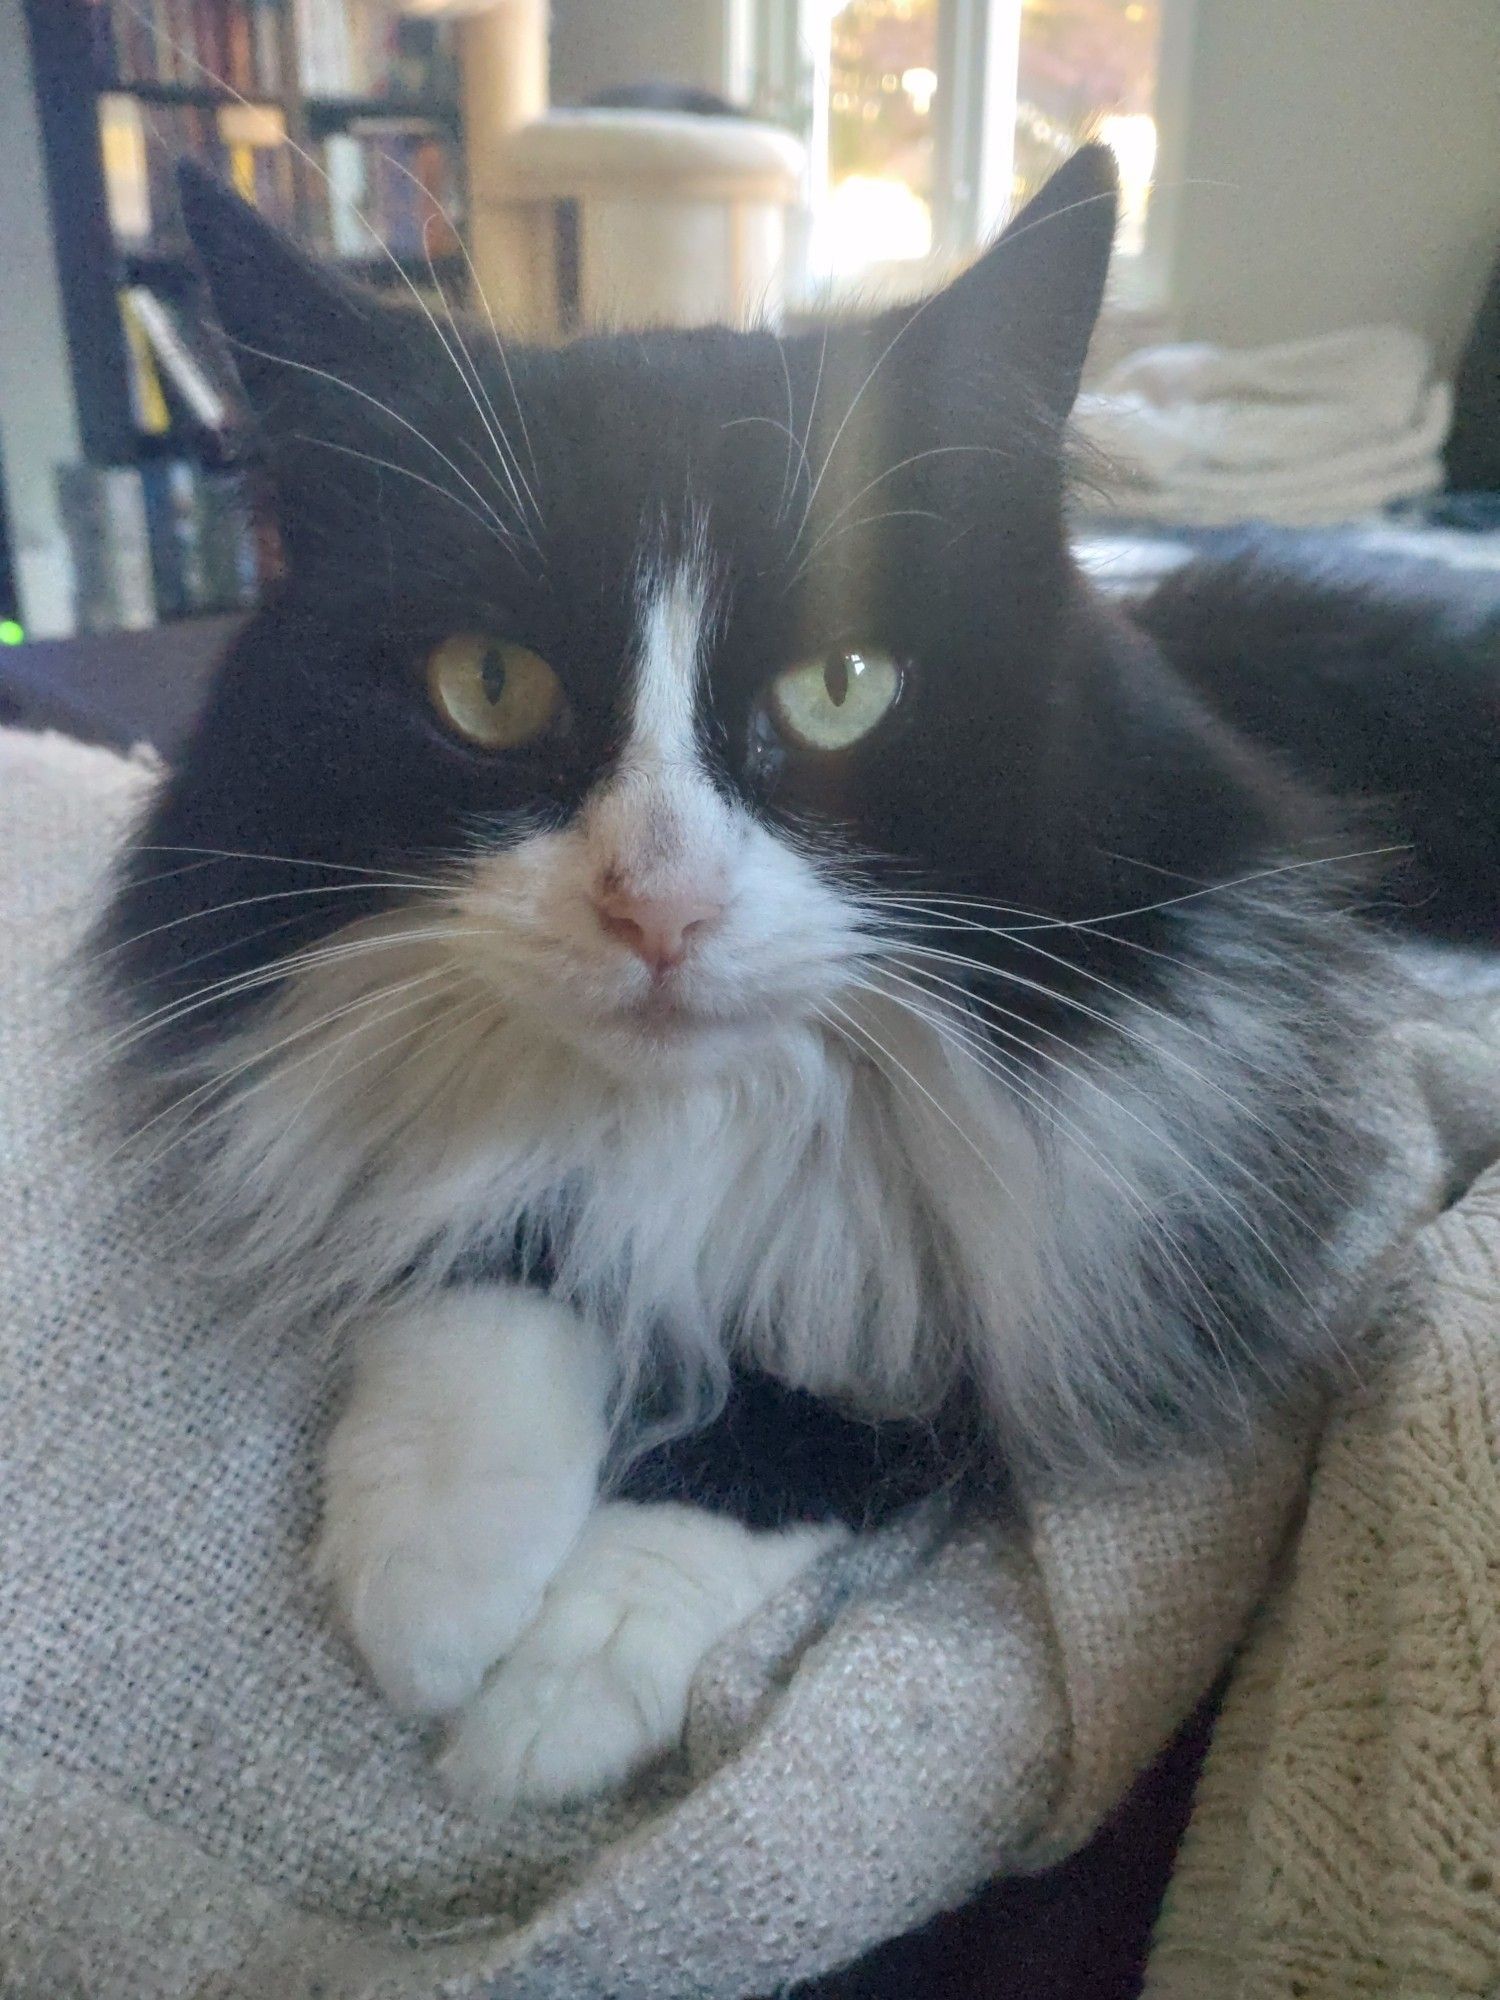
[(744, 989)]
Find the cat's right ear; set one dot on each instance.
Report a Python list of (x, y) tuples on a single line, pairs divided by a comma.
[(289, 322)]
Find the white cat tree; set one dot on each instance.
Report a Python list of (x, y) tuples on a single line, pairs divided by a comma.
[(674, 219)]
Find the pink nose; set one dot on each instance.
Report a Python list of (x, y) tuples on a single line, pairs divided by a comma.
[(658, 929)]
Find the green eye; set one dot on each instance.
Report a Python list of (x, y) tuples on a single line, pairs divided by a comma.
[(829, 704), (491, 692)]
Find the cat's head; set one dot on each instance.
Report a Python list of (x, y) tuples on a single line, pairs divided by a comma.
[(666, 656)]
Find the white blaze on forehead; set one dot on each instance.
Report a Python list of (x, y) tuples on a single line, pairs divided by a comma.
[(669, 666), (658, 826)]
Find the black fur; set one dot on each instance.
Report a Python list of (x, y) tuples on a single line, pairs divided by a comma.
[(1378, 680)]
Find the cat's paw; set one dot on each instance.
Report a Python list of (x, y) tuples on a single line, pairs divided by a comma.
[(599, 1685), (456, 1482), (425, 1594)]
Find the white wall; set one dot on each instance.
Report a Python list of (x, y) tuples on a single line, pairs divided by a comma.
[(1340, 163), (38, 422), (599, 43)]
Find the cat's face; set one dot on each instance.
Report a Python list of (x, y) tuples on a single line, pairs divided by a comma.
[(665, 664)]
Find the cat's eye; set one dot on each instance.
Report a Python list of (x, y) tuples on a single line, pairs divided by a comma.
[(493, 692), (831, 702)]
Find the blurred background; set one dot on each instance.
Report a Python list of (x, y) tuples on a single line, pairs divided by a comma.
[(1302, 320)]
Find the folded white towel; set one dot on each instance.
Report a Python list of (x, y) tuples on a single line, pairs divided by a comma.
[(1308, 431)]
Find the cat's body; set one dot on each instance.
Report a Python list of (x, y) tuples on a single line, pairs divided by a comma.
[(770, 1089)]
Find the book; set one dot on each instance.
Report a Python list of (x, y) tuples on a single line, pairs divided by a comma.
[(104, 511), (185, 361), (127, 172), (175, 531), (148, 400), (266, 46), (392, 184), (231, 561), (196, 42)]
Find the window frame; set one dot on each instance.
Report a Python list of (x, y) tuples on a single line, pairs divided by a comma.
[(770, 65)]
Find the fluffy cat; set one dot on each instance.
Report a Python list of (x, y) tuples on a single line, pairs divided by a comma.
[(740, 984)]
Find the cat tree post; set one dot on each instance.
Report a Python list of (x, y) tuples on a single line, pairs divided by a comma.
[(503, 56)]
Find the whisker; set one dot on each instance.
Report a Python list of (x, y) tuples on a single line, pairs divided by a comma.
[(184, 55), (913, 458), (511, 465), (980, 1050), (222, 1080), (405, 472), (1106, 917), (237, 984), (1139, 1005), (852, 527), (812, 412), (289, 860), (1223, 1154), (249, 902), (353, 388), (858, 1028)]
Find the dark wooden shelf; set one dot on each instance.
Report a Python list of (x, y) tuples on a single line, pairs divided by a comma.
[(332, 114), (378, 269), (191, 96), (150, 267)]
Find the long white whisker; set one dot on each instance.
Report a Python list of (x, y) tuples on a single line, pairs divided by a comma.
[(865, 521), (857, 1027), (1139, 1005), (185, 55), (405, 472), (338, 382), (222, 1080), (1225, 1155), (248, 902), (913, 458), (236, 985), (288, 860), (510, 464)]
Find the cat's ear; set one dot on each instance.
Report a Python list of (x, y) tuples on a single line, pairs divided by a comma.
[(286, 319), (1033, 297)]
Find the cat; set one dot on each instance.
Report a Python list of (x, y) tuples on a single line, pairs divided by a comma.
[(745, 989)]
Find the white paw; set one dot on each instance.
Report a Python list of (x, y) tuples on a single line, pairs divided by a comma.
[(429, 1592), (456, 1481), (599, 1685)]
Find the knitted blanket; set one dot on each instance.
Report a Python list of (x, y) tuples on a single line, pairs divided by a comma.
[(200, 1797), (1345, 1843)]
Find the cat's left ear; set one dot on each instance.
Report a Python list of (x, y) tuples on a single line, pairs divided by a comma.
[(280, 311), (1033, 297)]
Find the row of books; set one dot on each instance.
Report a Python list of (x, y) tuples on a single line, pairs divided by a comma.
[(193, 42), (140, 145), (166, 539), (390, 181), (344, 48), (387, 187), (365, 48)]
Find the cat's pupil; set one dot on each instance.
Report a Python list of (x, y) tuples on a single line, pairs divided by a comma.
[(492, 672), (836, 679)]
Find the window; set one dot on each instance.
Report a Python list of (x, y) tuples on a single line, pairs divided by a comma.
[(928, 120)]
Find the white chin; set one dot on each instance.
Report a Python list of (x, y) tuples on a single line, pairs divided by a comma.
[(665, 1034)]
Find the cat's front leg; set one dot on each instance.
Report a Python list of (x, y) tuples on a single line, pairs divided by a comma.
[(458, 1477), (598, 1684)]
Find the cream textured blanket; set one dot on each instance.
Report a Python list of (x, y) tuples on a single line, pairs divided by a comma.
[(199, 1797), (1346, 1838)]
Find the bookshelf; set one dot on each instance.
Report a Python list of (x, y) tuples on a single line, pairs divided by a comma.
[(123, 88)]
